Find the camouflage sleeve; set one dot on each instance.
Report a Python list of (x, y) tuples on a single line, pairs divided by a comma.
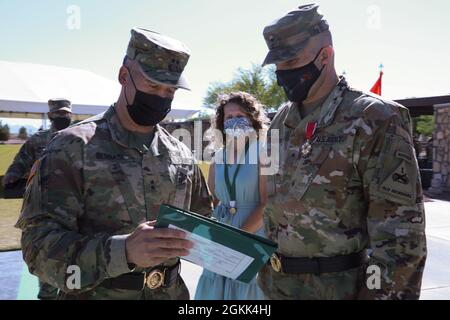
[(396, 217), (201, 198), (52, 207), (23, 161)]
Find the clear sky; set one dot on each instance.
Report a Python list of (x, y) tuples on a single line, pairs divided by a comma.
[(411, 38)]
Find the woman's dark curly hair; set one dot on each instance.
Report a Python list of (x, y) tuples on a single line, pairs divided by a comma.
[(252, 108)]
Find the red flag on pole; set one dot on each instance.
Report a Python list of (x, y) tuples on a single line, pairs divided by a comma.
[(377, 86)]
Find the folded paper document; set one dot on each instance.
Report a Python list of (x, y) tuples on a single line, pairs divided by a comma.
[(218, 247)]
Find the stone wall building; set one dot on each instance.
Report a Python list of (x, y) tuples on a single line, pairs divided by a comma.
[(441, 156)]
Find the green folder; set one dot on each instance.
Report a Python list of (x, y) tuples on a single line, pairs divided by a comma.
[(240, 253)]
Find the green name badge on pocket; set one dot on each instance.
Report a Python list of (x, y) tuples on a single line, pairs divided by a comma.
[(220, 248)]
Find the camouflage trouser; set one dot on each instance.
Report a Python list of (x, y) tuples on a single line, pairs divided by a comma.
[(178, 291), (329, 286), (47, 292)]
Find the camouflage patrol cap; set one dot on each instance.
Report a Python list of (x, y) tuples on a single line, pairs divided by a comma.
[(288, 35), (59, 104), (161, 59)]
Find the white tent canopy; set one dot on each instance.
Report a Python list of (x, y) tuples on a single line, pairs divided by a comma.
[(25, 89)]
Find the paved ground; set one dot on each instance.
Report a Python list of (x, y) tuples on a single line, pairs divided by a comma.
[(436, 281), (17, 283)]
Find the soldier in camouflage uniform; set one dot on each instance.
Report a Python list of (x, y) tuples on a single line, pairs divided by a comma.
[(346, 206), (95, 195), (60, 115)]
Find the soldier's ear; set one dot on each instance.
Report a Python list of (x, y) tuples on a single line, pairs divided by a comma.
[(325, 55), (123, 75)]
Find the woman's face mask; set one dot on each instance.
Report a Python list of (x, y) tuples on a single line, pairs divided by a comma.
[(238, 126)]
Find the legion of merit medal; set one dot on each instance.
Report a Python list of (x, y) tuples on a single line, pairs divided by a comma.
[(306, 148)]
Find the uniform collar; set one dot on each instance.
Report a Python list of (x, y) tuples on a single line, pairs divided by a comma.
[(52, 129), (331, 104), (327, 110), (128, 139), (293, 117)]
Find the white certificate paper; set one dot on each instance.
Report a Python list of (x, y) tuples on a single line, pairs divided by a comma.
[(216, 257)]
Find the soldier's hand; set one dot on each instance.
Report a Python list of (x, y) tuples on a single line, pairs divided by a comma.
[(148, 246)]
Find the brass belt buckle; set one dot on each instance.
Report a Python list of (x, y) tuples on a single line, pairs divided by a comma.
[(155, 279), (275, 262)]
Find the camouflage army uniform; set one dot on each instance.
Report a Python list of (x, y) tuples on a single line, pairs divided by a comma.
[(20, 169), (24, 160), (360, 188), (96, 183), (29, 153)]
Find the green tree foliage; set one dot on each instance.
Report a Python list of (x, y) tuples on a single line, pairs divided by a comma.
[(259, 82), (4, 132), (23, 134), (425, 125)]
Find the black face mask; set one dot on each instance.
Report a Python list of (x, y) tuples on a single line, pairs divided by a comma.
[(147, 109), (297, 83), (60, 123)]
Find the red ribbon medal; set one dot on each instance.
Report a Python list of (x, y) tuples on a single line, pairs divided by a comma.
[(309, 134)]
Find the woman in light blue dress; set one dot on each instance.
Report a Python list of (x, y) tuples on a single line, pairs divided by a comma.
[(241, 198)]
